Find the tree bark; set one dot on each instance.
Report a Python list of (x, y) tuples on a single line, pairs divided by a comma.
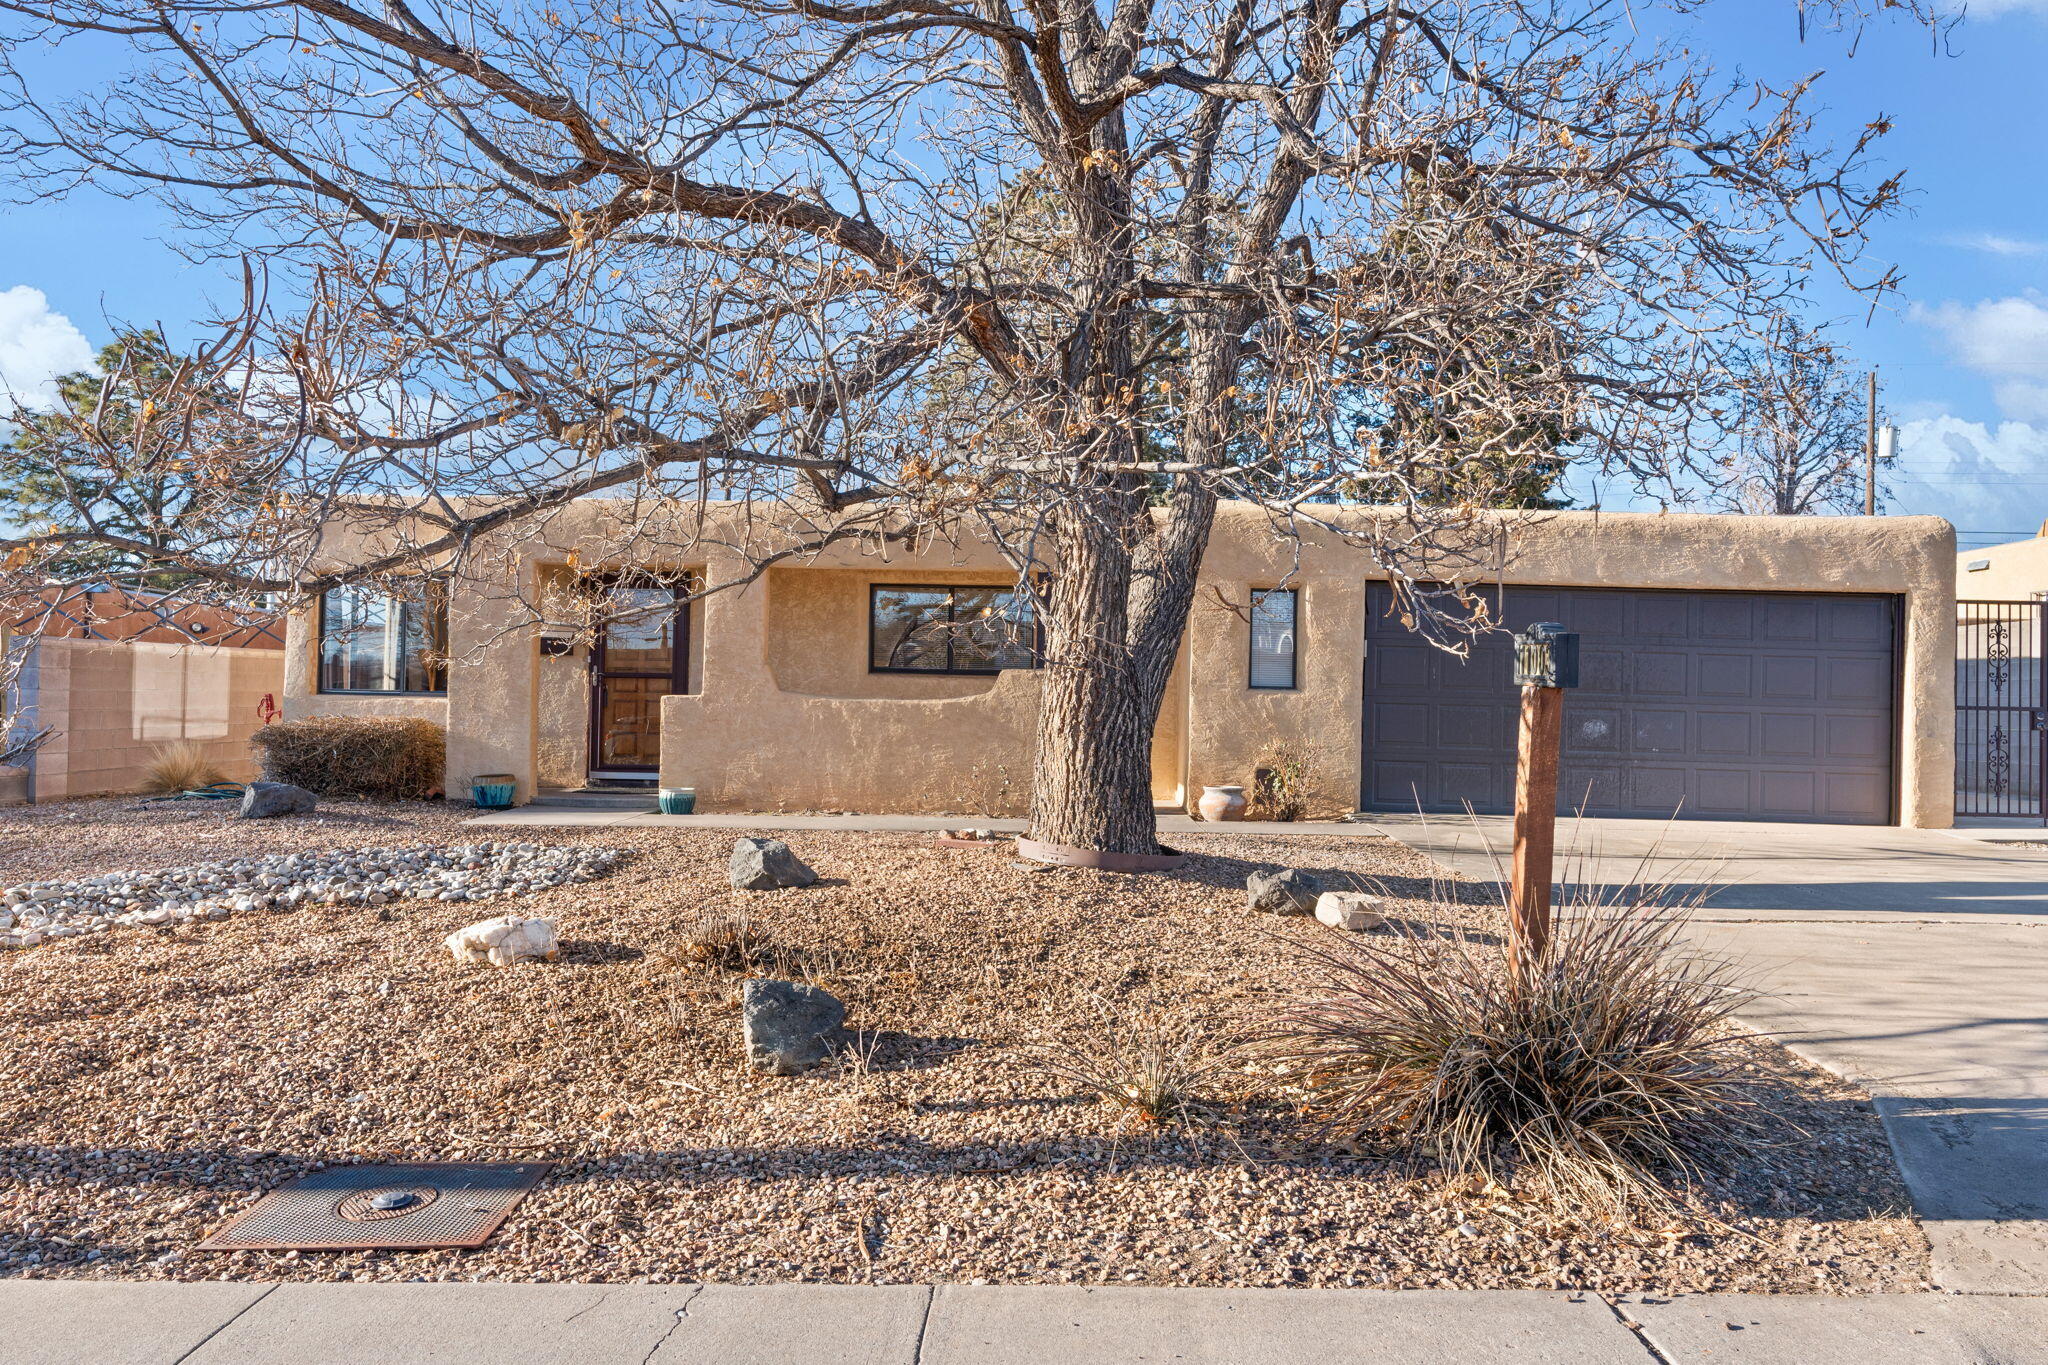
[(1092, 779)]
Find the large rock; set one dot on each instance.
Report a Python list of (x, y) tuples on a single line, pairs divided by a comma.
[(789, 1027), (267, 800), (1353, 910), (1288, 891), (765, 864), (504, 941)]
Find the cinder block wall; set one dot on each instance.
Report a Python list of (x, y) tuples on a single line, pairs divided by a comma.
[(115, 705)]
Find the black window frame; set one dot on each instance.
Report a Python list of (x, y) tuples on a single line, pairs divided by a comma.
[(438, 592), (1251, 642), (951, 590)]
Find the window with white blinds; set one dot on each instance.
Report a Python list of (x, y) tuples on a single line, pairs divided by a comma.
[(1273, 615)]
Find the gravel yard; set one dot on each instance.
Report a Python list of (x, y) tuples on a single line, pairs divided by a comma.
[(158, 1078)]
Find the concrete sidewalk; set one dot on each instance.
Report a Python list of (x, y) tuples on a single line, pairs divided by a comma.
[(1910, 961), (69, 1322)]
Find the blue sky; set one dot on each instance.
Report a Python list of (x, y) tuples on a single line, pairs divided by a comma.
[(1962, 353)]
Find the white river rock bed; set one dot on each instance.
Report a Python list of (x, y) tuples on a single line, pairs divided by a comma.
[(34, 912)]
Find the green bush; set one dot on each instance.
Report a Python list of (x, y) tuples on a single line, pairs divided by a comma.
[(377, 757)]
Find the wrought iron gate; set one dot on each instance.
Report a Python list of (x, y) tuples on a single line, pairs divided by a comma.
[(2001, 709)]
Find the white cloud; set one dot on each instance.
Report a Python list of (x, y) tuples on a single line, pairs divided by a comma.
[(1982, 478), (36, 345), (1996, 245), (2006, 340), (1991, 9)]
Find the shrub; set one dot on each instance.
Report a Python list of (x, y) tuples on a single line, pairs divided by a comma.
[(1608, 1061), (393, 758), (1286, 782), (181, 766)]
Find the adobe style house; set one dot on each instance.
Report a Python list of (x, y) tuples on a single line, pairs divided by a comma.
[(1766, 668)]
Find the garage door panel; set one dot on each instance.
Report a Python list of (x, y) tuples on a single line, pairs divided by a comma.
[(1602, 672), (1788, 677), (1592, 730), (1400, 720), (1859, 681), (1589, 787), (1795, 619), (1727, 618), (1785, 793), (1469, 727), (1657, 616), (1657, 788), (1727, 675), (1729, 705), (1661, 673), (1858, 621), (1858, 798), (1789, 735), (1726, 734), (1858, 739), (1402, 665), (1723, 791), (1485, 785), (1657, 732)]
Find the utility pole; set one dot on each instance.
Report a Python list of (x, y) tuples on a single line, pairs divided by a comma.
[(1870, 450)]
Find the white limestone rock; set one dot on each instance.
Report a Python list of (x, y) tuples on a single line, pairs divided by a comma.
[(1353, 910), (504, 941)]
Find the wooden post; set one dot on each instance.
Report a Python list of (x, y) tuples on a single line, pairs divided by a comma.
[(1535, 823)]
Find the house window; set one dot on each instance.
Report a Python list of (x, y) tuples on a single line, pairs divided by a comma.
[(377, 641), (949, 630), (1273, 616)]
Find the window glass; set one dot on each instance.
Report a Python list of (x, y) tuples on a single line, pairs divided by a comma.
[(949, 630), (1273, 638), (375, 641)]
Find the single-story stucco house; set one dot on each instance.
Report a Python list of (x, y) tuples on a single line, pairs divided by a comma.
[(1766, 668)]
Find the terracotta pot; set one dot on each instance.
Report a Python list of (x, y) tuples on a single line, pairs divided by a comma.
[(1221, 803)]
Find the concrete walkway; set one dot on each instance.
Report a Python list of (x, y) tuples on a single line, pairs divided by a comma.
[(543, 815), (1912, 961), (59, 1322)]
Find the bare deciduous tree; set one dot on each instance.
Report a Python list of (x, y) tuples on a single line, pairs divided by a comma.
[(1795, 440), (1055, 273)]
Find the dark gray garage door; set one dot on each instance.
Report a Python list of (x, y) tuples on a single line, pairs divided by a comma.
[(1756, 706)]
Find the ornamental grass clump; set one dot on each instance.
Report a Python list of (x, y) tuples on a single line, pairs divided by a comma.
[(1155, 1070), (182, 765), (1591, 1074)]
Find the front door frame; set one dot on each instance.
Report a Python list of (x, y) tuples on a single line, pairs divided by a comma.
[(678, 674)]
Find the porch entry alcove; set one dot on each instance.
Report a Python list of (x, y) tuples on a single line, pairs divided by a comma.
[(641, 653)]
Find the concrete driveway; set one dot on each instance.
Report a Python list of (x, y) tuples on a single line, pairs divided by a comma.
[(1914, 962)]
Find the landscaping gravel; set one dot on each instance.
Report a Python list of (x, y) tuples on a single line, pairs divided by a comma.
[(157, 1080)]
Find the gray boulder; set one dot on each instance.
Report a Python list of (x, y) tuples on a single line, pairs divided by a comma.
[(1287, 891), (765, 864), (789, 1027), (267, 800)]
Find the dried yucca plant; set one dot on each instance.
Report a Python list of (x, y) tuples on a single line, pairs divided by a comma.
[(1608, 1062), (181, 766)]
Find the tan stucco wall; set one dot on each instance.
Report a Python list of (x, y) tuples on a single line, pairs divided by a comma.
[(115, 705), (787, 716), (2017, 572)]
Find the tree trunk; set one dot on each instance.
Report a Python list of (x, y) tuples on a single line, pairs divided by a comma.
[(1092, 774)]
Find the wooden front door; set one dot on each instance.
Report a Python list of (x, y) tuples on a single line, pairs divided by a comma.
[(641, 655)]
